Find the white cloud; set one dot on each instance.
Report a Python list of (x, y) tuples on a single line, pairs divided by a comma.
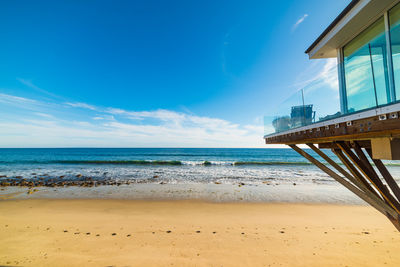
[(30, 84), (299, 21), (44, 115), (11, 99), (321, 73), (81, 105), (329, 73), (104, 117), (160, 114), (115, 111), (114, 127)]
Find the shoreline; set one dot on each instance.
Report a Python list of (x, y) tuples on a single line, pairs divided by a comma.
[(115, 232), (219, 193)]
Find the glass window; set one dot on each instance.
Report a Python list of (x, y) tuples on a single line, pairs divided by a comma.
[(365, 69), (394, 18)]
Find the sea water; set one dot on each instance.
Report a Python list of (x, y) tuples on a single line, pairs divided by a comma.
[(168, 165), (228, 174)]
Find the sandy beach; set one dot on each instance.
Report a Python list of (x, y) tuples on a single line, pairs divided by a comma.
[(73, 232)]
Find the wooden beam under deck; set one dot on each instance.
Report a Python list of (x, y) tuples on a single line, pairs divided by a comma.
[(386, 125), (332, 145), (384, 202)]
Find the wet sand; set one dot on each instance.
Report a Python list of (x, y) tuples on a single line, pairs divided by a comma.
[(73, 232), (268, 192)]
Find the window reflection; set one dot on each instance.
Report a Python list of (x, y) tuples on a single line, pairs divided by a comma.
[(394, 19), (365, 68)]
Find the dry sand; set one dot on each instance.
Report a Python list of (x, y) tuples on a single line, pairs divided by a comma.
[(44, 232)]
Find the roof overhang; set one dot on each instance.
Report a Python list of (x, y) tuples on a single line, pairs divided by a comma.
[(357, 16)]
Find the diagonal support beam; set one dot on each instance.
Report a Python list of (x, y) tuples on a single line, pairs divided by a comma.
[(367, 190), (357, 175), (365, 160), (371, 176), (331, 162), (373, 201), (361, 184), (386, 175), (364, 185)]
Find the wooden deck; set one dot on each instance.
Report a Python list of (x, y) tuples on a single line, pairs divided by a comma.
[(350, 129)]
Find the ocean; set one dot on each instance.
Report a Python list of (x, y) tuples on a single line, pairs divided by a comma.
[(167, 165), (220, 174)]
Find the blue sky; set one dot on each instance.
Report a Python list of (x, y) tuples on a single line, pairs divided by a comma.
[(155, 73)]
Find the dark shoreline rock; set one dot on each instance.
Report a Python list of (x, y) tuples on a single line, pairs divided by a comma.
[(60, 181)]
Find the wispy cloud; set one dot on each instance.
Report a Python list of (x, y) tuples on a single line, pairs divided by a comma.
[(12, 99), (329, 74), (81, 105), (44, 115), (31, 85), (321, 73), (104, 117), (299, 21), (160, 114), (81, 124)]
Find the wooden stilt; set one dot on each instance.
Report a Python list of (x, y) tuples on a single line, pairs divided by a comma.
[(371, 176), (357, 175), (377, 200), (369, 190), (363, 158), (395, 221), (386, 175), (373, 201), (368, 194), (366, 162), (331, 162), (365, 187)]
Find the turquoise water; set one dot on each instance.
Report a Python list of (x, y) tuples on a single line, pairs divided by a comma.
[(170, 165), (115, 155)]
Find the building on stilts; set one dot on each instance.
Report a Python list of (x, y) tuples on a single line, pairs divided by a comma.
[(360, 121)]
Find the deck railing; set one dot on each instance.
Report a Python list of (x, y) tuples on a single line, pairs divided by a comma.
[(305, 106)]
